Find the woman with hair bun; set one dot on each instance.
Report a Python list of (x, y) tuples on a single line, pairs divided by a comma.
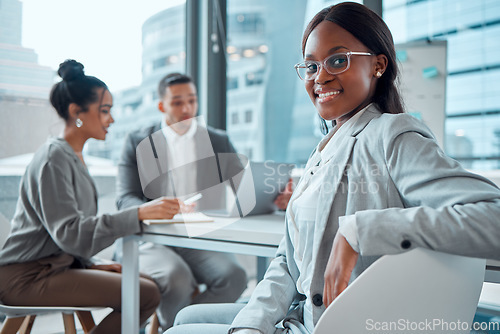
[(46, 260)]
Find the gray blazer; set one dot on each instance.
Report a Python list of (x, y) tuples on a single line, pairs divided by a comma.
[(143, 174), (56, 210), (405, 194)]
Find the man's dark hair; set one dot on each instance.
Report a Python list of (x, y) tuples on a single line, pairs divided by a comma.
[(170, 80)]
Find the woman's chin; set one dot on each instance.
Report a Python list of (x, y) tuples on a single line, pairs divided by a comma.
[(327, 115)]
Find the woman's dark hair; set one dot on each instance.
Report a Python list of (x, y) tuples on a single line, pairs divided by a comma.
[(170, 80), (372, 31), (75, 87)]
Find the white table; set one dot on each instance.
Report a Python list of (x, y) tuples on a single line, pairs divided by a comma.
[(254, 235)]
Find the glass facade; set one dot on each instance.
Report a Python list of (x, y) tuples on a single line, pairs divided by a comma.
[(163, 52), (20, 73), (26, 117), (269, 115), (471, 29)]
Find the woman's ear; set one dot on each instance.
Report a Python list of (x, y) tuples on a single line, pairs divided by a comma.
[(380, 65), (73, 110)]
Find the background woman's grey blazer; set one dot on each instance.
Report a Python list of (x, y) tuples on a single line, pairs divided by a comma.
[(56, 210), (405, 193)]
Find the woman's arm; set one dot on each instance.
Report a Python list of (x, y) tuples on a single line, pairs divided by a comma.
[(447, 208), (76, 229)]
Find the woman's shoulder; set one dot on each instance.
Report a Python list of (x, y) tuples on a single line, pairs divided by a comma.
[(55, 151), (59, 149), (390, 126)]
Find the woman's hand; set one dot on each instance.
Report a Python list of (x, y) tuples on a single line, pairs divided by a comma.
[(160, 208), (114, 267), (338, 269), (283, 198), (188, 208)]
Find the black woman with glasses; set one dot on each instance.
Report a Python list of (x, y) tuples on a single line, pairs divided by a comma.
[(377, 184)]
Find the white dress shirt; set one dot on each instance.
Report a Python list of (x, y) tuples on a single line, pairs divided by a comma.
[(181, 156)]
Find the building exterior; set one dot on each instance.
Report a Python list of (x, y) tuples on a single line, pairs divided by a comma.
[(20, 73), (163, 52), (260, 121), (27, 118), (472, 30)]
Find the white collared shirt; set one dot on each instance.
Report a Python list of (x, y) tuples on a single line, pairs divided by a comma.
[(181, 155)]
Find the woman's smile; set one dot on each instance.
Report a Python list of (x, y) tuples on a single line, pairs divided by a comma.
[(324, 96)]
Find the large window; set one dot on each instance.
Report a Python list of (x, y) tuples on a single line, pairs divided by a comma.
[(263, 43), (163, 51), (471, 29), (263, 46), (129, 46)]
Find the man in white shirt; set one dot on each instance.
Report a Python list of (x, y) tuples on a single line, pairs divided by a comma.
[(178, 157)]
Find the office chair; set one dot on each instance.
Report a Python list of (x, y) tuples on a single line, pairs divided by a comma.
[(21, 318), (414, 292)]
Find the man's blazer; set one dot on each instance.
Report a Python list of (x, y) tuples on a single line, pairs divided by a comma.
[(144, 174)]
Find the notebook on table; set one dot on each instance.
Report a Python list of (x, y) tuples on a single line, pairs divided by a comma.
[(191, 217)]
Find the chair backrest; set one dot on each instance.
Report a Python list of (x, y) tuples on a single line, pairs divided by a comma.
[(414, 292)]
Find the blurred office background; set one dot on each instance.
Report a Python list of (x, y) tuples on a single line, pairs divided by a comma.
[(267, 112), (241, 53)]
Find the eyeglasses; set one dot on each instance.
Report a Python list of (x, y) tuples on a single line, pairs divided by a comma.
[(334, 64)]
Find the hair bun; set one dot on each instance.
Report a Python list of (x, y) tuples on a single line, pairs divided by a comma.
[(70, 70)]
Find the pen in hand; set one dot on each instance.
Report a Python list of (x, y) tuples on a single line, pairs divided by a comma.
[(193, 199), (188, 205)]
